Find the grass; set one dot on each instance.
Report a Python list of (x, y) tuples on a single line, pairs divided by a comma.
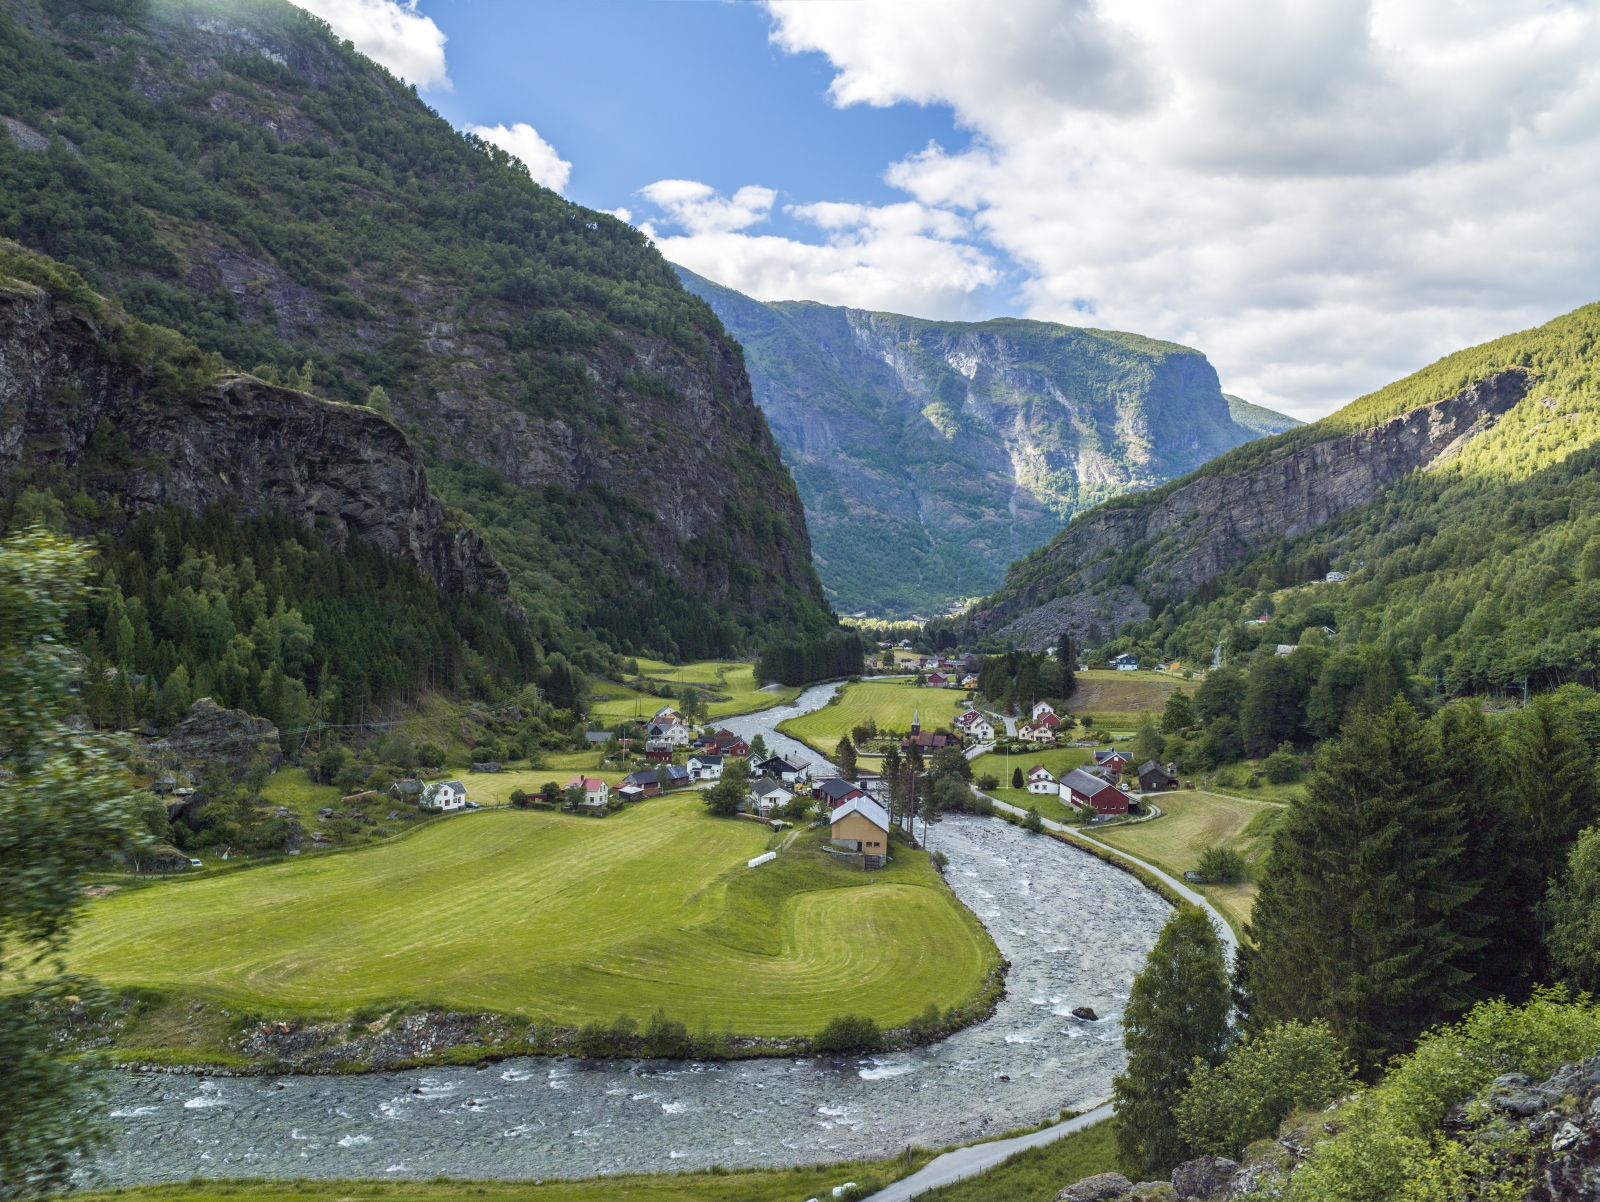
[(1233, 782), (734, 679), (711, 1185), (1119, 696), (1052, 808), (890, 704), (1038, 1174), (1060, 761), (1193, 821), (558, 917)]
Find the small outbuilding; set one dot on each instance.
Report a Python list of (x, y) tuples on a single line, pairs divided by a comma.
[(1154, 778)]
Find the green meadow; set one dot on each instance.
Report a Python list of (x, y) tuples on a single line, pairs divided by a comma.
[(890, 704), (556, 917)]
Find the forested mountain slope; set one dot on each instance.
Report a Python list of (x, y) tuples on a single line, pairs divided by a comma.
[(932, 454), (233, 171), (1477, 567)]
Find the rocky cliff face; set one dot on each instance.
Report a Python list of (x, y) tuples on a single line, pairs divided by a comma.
[(300, 212), (932, 454), (72, 403), (1182, 535)]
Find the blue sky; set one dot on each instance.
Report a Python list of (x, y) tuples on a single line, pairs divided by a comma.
[(633, 91), (1321, 196)]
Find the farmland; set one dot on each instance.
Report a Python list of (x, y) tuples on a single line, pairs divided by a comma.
[(890, 704), (1116, 698), (1193, 821), (556, 917), (734, 679)]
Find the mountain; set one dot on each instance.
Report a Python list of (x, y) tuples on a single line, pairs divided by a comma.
[(932, 454), (232, 171), (1462, 504)]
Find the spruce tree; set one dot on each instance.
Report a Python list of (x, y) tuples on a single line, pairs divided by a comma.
[(1354, 920), (845, 755), (1067, 657), (1177, 1013)]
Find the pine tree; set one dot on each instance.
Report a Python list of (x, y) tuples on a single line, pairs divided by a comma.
[(1177, 1012), (1016, 778), (1353, 923), (1067, 657), (1178, 714), (845, 755)]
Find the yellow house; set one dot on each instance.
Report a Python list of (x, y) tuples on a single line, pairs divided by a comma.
[(862, 825)]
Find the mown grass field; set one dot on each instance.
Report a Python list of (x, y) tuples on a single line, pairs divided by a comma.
[(1052, 808), (1117, 697), (1060, 761), (890, 704), (557, 917), (734, 679), (1193, 821)]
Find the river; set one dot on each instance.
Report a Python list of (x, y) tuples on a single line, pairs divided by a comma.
[(1075, 929)]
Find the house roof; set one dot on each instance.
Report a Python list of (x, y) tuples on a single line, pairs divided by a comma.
[(867, 808), (1040, 768), (647, 777), (1101, 757), (705, 760), (454, 784), (766, 786), (836, 787), (588, 783), (675, 772), (1085, 783), (597, 736)]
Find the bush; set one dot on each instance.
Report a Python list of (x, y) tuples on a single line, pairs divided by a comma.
[(430, 754), (1289, 1067), (1033, 822), (519, 799), (665, 1037), (1283, 766), (600, 1039), (1222, 866), (988, 781), (848, 1033)]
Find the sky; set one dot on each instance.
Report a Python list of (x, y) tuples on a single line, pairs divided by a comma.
[(1321, 195)]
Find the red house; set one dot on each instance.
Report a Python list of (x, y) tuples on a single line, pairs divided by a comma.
[(1083, 790), (1112, 761), (728, 743)]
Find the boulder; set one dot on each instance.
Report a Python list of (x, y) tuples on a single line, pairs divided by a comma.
[(1086, 1013), (487, 766), (211, 734), (1102, 1187), (1206, 1179)]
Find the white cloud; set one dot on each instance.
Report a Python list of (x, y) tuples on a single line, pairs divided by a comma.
[(538, 156), (1320, 195), (620, 214), (391, 32), (902, 257)]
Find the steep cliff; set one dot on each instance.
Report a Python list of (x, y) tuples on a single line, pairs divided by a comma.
[(932, 454), (1105, 568), (79, 404), (233, 171)]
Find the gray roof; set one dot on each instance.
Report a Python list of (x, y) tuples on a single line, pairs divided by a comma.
[(1083, 782), (765, 786)]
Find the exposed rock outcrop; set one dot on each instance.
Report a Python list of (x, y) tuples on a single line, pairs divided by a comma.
[(213, 735), (71, 399), (1204, 525)]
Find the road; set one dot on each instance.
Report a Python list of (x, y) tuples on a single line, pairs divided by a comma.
[(976, 1158)]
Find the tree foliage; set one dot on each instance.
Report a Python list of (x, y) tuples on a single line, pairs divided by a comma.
[(1177, 1016)]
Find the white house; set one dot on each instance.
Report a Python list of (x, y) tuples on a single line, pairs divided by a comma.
[(1041, 781), (981, 729), (767, 795), (705, 767), (1336, 578), (444, 795), (671, 731), (1042, 707), (596, 793), (1126, 662), (1036, 732)]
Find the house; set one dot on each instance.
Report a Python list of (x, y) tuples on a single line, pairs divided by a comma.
[(667, 714), (1126, 662), (1048, 719), (862, 825), (970, 680), (786, 768), (729, 743), (938, 680), (673, 776), (597, 738), (1036, 732), (1288, 648), (445, 795), (1043, 707), (410, 787), (673, 732), (596, 793), (630, 792), (1041, 781), (658, 751), (705, 767), (976, 726), (767, 795), (1335, 578), (1113, 762), (645, 782), (1085, 791), (1154, 778), (838, 791), (1261, 621), (930, 740)]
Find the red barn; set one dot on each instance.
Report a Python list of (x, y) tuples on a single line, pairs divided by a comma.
[(1084, 790)]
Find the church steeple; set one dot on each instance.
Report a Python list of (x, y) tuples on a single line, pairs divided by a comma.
[(916, 725)]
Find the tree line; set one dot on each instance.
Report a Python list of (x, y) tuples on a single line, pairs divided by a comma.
[(808, 661)]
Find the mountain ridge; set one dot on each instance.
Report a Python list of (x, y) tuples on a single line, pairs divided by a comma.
[(938, 452)]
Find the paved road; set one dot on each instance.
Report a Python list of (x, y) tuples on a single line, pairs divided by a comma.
[(974, 1159)]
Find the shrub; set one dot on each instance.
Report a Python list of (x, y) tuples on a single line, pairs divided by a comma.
[(430, 754), (1285, 1068), (1222, 866), (601, 1039), (519, 799), (1283, 766), (1033, 822), (988, 781), (1016, 778), (665, 1037), (848, 1033)]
